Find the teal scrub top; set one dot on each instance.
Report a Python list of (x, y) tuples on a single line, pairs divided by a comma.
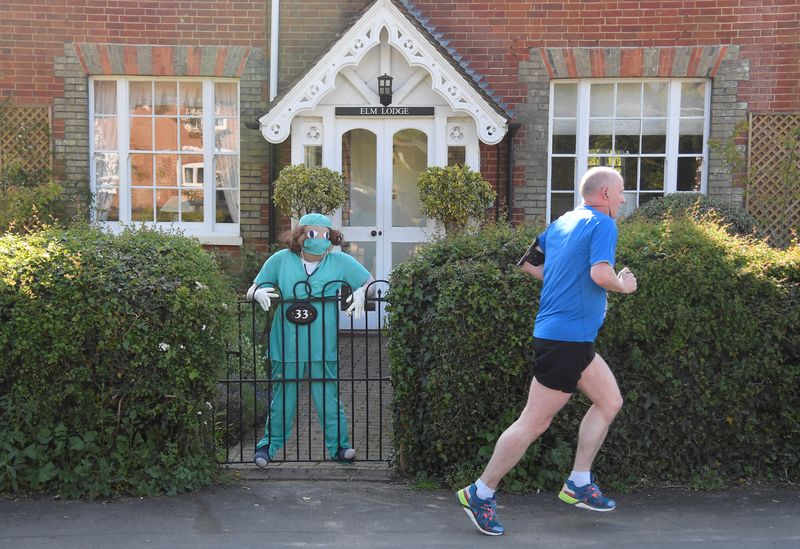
[(284, 270)]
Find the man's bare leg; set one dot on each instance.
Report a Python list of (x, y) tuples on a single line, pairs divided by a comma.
[(598, 384), (543, 404)]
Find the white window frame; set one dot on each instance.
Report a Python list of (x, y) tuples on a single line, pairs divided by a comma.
[(208, 231), (582, 132)]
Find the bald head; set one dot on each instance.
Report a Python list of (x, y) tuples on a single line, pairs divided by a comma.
[(597, 179), (602, 187)]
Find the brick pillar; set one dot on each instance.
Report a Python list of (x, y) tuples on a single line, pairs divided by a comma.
[(71, 112), (530, 199), (726, 111)]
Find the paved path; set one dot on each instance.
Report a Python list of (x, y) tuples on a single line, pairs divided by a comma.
[(376, 515)]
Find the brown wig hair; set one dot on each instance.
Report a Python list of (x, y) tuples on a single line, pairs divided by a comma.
[(294, 239)]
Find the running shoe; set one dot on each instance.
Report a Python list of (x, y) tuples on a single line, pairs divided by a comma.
[(482, 512), (586, 497)]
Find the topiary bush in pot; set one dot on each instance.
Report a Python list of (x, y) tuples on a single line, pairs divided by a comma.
[(454, 195), (299, 190)]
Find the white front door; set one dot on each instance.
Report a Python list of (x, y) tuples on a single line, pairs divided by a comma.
[(381, 160)]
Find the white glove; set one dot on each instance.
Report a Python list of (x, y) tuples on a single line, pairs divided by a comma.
[(356, 300), (263, 295)]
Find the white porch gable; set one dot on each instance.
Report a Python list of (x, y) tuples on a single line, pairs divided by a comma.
[(433, 68)]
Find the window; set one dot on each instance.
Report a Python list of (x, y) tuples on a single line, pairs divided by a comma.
[(166, 152), (312, 157), (456, 155), (654, 132)]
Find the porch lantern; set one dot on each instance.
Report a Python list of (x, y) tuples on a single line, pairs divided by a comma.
[(385, 89)]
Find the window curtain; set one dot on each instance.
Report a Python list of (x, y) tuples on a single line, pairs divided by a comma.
[(228, 166), (105, 97), (227, 181), (105, 138)]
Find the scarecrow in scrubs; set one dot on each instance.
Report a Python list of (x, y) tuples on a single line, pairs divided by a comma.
[(304, 331)]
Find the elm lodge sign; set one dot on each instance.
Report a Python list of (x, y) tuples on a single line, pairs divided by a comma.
[(384, 111)]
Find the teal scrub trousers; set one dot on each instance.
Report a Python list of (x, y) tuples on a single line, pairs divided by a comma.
[(286, 376)]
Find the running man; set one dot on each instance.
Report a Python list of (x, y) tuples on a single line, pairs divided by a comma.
[(574, 257)]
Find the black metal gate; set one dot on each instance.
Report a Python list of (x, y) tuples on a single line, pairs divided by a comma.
[(258, 387)]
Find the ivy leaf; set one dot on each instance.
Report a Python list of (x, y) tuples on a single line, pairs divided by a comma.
[(47, 472)]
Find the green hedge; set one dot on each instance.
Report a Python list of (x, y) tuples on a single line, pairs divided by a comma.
[(109, 346), (26, 209), (459, 345), (707, 354), (736, 219)]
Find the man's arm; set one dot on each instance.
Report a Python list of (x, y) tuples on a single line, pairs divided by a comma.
[(603, 275), (533, 260), (536, 271)]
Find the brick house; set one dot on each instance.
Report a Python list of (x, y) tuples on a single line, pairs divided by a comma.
[(182, 113)]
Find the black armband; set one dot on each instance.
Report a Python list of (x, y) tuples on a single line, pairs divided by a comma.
[(532, 255)]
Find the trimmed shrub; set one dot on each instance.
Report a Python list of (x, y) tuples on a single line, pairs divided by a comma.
[(709, 355), (109, 350), (300, 190), (706, 352), (459, 344), (454, 194), (697, 205)]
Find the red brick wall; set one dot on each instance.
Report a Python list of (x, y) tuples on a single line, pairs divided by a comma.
[(33, 33), (494, 36)]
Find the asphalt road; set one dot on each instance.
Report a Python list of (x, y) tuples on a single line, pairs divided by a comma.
[(357, 514)]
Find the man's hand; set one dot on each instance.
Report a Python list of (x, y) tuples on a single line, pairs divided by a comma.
[(628, 281), (356, 300), (263, 296), (604, 276)]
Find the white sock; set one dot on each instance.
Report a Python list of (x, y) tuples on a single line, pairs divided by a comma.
[(580, 478), (483, 491)]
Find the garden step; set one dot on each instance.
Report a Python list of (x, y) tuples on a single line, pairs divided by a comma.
[(315, 470)]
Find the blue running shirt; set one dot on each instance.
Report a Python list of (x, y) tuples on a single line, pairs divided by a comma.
[(572, 307)]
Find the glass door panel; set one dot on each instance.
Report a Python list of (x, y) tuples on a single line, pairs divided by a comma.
[(409, 160), (364, 252), (359, 167), (411, 145), (382, 222), (401, 251)]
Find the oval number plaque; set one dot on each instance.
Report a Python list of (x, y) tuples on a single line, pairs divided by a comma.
[(301, 313)]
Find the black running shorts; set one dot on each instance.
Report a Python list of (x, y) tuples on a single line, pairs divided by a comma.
[(559, 364)]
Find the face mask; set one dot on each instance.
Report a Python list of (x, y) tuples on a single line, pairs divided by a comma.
[(316, 246)]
